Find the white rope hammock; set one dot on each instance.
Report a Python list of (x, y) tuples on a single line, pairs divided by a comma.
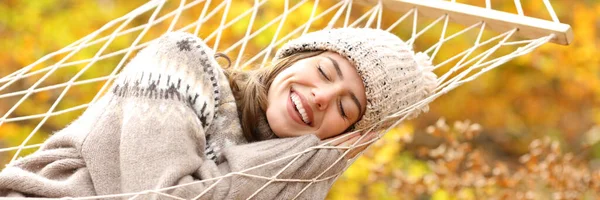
[(495, 36)]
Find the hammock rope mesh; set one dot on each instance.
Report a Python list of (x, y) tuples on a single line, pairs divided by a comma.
[(493, 43)]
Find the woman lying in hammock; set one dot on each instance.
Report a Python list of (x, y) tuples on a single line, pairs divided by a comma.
[(175, 118)]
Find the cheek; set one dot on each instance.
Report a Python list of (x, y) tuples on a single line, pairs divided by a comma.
[(331, 126), (305, 75), (279, 120), (275, 122), (274, 113)]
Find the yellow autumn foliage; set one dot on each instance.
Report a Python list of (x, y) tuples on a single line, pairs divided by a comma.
[(552, 93)]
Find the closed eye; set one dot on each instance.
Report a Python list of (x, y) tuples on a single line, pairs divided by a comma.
[(322, 72), (342, 112)]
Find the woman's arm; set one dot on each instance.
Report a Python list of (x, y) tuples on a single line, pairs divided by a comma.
[(146, 133), (302, 167), (58, 168), (292, 164)]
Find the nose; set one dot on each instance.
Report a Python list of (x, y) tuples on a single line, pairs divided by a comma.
[(323, 96)]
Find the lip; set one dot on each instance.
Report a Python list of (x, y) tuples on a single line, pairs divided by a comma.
[(307, 108), (291, 108), (295, 115)]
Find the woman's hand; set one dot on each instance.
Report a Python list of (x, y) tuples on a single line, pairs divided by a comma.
[(348, 139)]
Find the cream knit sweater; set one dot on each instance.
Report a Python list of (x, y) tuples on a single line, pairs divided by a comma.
[(169, 119)]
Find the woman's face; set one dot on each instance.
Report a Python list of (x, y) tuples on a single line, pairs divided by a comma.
[(321, 95)]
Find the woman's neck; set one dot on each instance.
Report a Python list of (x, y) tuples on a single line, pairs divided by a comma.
[(263, 130)]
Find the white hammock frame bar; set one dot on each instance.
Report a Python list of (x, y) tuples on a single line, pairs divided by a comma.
[(462, 67), (498, 21)]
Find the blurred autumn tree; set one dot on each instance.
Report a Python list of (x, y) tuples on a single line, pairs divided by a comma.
[(552, 93)]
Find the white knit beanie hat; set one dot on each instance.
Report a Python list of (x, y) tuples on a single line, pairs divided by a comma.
[(395, 78)]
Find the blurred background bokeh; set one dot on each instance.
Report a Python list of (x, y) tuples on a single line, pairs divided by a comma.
[(529, 129)]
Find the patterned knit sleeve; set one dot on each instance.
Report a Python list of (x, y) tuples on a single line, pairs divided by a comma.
[(148, 132), (169, 94), (177, 66)]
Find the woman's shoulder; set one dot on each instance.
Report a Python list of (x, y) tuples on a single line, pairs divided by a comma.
[(177, 66)]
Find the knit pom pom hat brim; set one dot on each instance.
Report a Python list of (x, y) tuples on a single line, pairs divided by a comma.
[(395, 78)]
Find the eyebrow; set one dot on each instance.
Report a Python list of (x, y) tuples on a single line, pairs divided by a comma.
[(352, 95), (337, 67)]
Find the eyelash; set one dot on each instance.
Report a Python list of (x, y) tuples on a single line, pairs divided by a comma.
[(322, 72), (342, 110)]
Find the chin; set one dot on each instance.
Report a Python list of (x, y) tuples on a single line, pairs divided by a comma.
[(280, 133), (280, 127), (281, 130)]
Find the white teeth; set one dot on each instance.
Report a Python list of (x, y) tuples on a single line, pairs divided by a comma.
[(300, 108)]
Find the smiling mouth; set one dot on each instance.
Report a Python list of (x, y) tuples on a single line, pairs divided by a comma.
[(299, 108)]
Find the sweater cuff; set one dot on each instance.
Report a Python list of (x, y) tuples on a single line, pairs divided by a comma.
[(291, 164), (242, 157)]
